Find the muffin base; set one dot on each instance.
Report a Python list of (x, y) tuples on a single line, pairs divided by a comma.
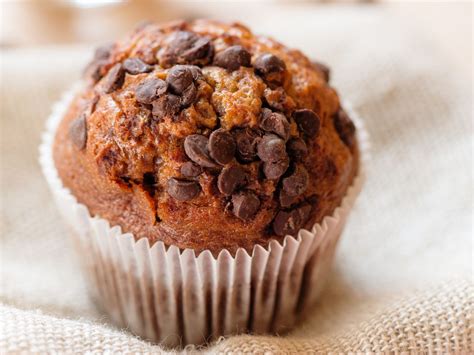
[(174, 297)]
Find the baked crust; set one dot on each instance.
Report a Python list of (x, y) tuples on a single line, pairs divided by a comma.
[(122, 172)]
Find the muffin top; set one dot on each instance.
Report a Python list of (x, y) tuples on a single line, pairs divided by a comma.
[(206, 136)]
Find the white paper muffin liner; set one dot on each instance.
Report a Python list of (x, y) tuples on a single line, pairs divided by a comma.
[(174, 297)]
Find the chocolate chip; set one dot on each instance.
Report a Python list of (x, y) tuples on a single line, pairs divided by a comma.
[(270, 67), (289, 222), (78, 132), (148, 55), (269, 63), (103, 51), (245, 205), (296, 183), (285, 223), (230, 178), (114, 78), (308, 121), (221, 146), (150, 89), (195, 147), (101, 56), (179, 78), (186, 48), (200, 52), (274, 169), (166, 105), (94, 70), (181, 82), (93, 103), (189, 95), (286, 200), (275, 122), (190, 169), (246, 141), (324, 69), (297, 149), (233, 58), (135, 66), (183, 190), (345, 127), (196, 71), (304, 212), (271, 148)]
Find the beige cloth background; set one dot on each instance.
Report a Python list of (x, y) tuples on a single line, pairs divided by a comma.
[(403, 275)]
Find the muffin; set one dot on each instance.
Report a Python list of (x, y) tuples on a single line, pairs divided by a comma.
[(212, 145)]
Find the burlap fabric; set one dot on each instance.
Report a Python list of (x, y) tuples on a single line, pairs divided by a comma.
[(402, 280)]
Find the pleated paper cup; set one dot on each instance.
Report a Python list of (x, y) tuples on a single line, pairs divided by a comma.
[(176, 297)]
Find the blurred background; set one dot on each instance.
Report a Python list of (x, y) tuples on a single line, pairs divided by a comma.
[(32, 23), (26, 23), (80, 25)]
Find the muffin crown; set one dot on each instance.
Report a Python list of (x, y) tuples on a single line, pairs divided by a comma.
[(219, 128)]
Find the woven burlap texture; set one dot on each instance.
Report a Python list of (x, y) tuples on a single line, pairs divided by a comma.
[(402, 279)]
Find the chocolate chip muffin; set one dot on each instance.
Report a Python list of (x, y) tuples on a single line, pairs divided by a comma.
[(206, 136)]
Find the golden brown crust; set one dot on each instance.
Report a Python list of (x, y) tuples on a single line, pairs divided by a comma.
[(123, 172)]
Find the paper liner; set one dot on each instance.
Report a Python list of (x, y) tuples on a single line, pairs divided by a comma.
[(170, 296)]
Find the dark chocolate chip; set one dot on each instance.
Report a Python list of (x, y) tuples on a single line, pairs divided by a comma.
[(181, 82), (201, 52), (324, 69), (189, 95), (233, 58), (289, 222), (230, 178), (94, 70), (186, 48), (245, 205), (78, 132), (304, 212), (195, 147), (285, 223), (150, 89), (274, 169), (183, 190), (246, 141), (221, 146), (135, 66), (296, 183), (179, 78), (271, 68), (101, 56), (104, 51), (148, 55), (93, 103), (271, 148), (166, 105), (269, 63), (297, 149), (275, 122), (196, 71), (190, 169), (286, 200), (114, 78), (308, 121), (345, 127)]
